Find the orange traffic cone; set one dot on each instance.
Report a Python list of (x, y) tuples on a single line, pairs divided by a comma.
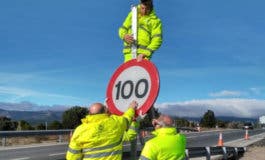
[(246, 135), (220, 141)]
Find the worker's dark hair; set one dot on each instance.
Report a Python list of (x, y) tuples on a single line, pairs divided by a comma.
[(148, 3), (102, 109)]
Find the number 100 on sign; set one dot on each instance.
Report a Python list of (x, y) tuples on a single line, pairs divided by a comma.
[(128, 89), (131, 84)]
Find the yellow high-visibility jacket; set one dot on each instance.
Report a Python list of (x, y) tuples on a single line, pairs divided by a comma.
[(99, 137), (167, 144), (149, 35), (132, 132)]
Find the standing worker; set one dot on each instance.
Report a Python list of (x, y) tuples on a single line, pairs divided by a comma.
[(149, 35), (167, 143), (100, 135)]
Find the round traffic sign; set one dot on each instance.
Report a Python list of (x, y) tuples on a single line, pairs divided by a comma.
[(133, 80)]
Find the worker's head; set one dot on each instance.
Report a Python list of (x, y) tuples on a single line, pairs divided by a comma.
[(146, 6), (163, 121), (97, 108)]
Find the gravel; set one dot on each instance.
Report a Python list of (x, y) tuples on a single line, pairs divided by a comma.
[(256, 151)]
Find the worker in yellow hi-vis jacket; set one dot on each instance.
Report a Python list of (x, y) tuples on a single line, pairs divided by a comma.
[(149, 32), (167, 143), (101, 134)]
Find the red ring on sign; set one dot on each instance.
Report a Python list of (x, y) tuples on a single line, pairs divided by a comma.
[(154, 77)]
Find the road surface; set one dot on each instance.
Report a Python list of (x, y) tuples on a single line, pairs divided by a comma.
[(57, 151)]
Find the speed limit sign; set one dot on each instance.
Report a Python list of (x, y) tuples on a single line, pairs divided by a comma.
[(133, 81)]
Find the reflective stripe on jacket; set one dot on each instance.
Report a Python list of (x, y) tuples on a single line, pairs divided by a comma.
[(149, 36), (99, 137), (167, 144)]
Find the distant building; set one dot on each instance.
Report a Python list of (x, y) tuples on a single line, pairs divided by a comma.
[(262, 121)]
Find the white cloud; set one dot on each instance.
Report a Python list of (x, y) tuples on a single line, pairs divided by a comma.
[(226, 93), (257, 90), (16, 91), (14, 94), (28, 106), (221, 107)]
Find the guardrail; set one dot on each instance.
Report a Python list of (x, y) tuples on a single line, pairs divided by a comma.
[(33, 133), (5, 134), (192, 152), (184, 129), (226, 152), (187, 129)]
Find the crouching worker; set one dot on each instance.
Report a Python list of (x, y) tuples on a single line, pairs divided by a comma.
[(100, 135), (167, 144)]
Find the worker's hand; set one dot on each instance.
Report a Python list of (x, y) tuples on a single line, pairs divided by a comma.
[(128, 38), (140, 116), (133, 105), (140, 57)]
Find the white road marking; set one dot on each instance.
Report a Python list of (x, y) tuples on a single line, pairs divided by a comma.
[(56, 154), (32, 146), (21, 158)]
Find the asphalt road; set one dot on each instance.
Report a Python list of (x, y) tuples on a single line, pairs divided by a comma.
[(211, 138), (57, 151), (41, 152)]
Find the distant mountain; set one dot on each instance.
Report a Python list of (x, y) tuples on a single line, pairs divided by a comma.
[(36, 117), (223, 118), (33, 117)]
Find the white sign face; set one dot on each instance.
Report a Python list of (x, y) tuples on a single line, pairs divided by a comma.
[(132, 84), (133, 80)]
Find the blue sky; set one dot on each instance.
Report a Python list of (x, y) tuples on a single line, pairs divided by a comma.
[(63, 53)]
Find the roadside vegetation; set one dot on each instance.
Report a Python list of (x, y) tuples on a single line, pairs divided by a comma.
[(71, 118)]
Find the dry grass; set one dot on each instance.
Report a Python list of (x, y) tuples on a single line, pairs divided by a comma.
[(12, 141), (255, 153)]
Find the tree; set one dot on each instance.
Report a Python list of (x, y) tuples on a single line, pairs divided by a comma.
[(235, 125), (72, 117), (55, 125), (181, 122), (7, 125), (147, 121), (24, 125), (208, 119), (221, 124), (40, 126)]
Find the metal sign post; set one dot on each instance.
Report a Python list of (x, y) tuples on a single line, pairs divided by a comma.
[(134, 31)]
